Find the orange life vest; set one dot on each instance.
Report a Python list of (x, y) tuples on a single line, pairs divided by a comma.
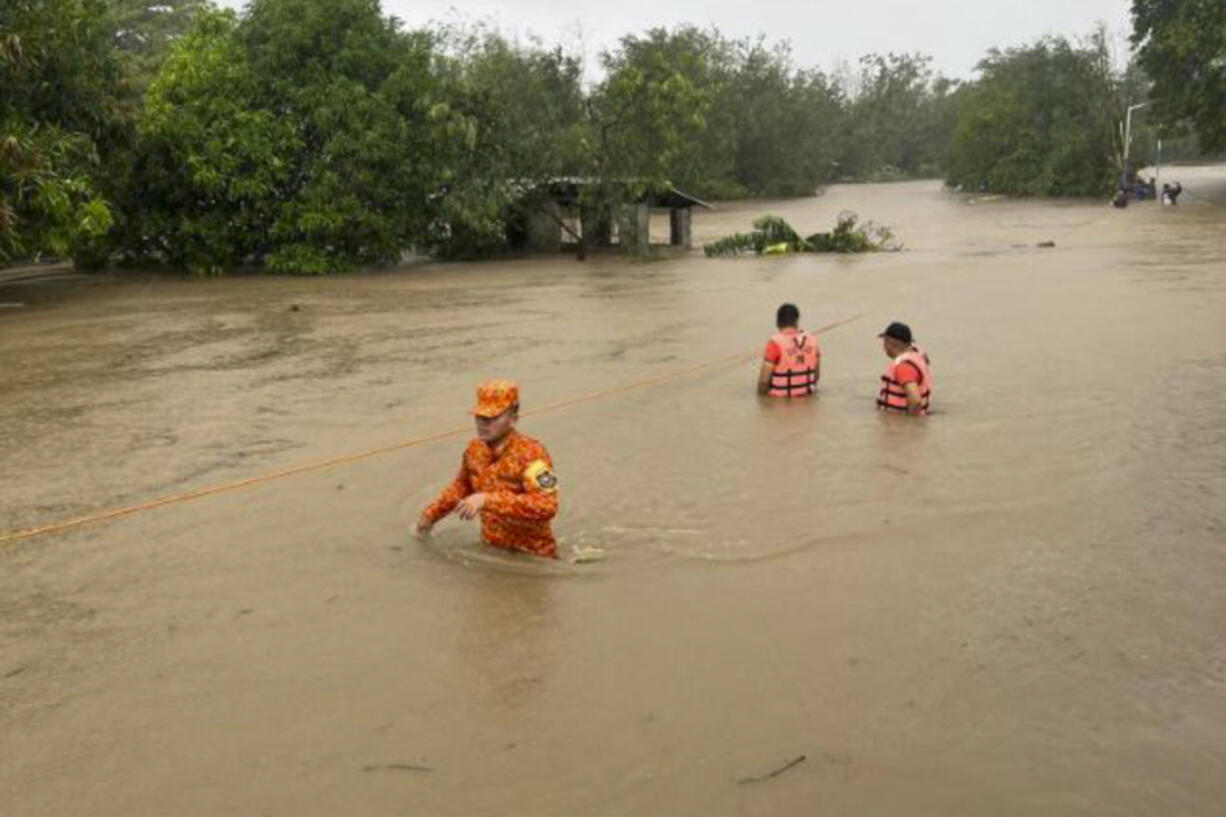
[(795, 373), (893, 397)]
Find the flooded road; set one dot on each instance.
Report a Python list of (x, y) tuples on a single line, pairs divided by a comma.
[(1015, 607)]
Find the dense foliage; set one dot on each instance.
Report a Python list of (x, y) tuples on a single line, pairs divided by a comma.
[(1042, 120), (524, 109), (724, 118), (144, 30), (309, 136), (59, 108), (314, 135), (899, 123), (1182, 47)]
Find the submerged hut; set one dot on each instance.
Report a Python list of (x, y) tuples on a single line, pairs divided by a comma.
[(562, 213)]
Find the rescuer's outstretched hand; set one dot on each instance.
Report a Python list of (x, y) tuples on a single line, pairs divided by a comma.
[(470, 506)]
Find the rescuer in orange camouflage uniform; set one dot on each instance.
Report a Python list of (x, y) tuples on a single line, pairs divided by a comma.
[(505, 477)]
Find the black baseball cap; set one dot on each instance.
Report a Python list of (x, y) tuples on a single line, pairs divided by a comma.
[(898, 331)]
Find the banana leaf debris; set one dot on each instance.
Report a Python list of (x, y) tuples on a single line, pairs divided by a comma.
[(774, 236)]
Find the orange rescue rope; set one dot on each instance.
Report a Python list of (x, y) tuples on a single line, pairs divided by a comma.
[(186, 496)]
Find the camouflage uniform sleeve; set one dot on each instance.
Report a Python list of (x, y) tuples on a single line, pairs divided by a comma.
[(450, 496), (539, 500)]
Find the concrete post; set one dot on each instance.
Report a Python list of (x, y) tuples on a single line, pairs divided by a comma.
[(679, 232), (544, 228), (597, 228), (634, 231)]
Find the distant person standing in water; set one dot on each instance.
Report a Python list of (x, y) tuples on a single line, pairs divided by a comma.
[(906, 386), (505, 477), (792, 362), (1170, 193)]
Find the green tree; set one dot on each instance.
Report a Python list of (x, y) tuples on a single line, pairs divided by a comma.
[(650, 113), (526, 107), (645, 121), (705, 163), (1041, 120), (145, 29), (783, 122), (1181, 45), (898, 120), (59, 107), (213, 162), (306, 136)]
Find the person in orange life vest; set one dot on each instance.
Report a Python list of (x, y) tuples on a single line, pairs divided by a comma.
[(792, 362), (906, 386), (505, 477)]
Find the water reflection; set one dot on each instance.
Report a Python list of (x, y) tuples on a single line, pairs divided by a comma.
[(506, 636)]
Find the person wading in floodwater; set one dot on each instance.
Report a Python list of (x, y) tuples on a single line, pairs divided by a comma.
[(906, 386), (505, 477), (792, 362)]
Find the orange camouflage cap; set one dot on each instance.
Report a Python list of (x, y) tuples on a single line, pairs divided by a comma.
[(495, 396)]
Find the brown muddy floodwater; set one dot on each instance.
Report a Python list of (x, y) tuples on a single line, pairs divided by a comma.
[(1015, 607)]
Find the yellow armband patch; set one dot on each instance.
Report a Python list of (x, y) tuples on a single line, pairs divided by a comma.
[(538, 475)]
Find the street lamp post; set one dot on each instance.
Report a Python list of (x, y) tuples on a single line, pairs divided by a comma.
[(1128, 139)]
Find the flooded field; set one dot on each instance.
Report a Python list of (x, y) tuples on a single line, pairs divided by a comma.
[(1014, 607)]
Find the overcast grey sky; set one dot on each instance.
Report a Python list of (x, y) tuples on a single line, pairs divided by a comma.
[(822, 32)]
